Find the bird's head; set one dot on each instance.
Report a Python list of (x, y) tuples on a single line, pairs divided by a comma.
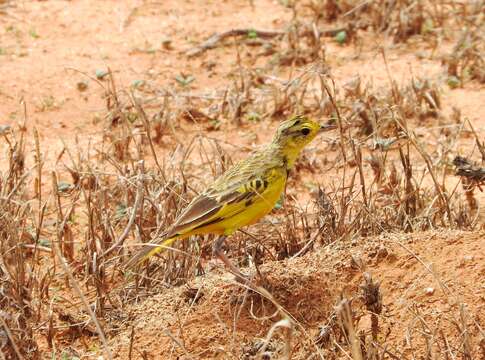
[(294, 134)]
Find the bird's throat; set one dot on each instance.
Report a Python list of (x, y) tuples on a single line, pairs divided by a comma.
[(290, 155)]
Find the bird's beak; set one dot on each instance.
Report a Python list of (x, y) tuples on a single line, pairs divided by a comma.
[(327, 127)]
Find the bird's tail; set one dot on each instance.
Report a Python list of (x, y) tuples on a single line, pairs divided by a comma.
[(147, 251)]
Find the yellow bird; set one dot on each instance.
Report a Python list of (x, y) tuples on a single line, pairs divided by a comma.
[(242, 195)]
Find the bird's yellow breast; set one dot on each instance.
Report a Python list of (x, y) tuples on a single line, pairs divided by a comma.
[(261, 205)]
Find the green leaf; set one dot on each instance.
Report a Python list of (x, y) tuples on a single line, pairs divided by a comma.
[(34, 34), (101, 74), (214, 124), (121, 211), (253, 116), (453, 82), (184, 80), (138, 83), (44, 242), (341, 37), (64, 186), (252, 34)]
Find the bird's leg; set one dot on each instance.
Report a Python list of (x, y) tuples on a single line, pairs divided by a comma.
[(260, 275), (217, 250)]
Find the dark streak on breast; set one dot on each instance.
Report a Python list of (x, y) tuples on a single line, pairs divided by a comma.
[(285, 163)]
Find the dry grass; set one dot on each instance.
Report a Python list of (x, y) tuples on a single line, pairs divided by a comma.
[(62, 246)]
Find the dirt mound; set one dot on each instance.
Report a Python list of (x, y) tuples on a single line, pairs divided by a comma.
[(110, 123), (431, 286)]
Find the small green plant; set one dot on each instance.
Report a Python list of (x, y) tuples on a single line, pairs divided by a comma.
[(341, 37), (63, 187), (34, 34), (137, 83), (252, 34), (66, 356), (453, 82), (253, 116), (184, 80), (121, 212), (101, 74)]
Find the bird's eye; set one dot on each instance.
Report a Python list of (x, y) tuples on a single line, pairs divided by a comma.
[(305, 131)]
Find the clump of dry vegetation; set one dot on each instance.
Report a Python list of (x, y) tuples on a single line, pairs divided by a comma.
[(62, 244), (122, 193), (18, 301)]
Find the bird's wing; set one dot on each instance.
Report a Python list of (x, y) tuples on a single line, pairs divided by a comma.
[(228, 196)]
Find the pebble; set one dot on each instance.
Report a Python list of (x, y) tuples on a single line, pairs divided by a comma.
[(429, 291)]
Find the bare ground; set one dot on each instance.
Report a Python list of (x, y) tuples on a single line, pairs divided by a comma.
[(431, 282), (425, 280)]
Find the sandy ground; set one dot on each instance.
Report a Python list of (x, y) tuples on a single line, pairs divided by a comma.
[(419, 274), (49, 49)]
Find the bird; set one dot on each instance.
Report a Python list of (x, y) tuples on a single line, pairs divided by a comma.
[(241, 196)]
